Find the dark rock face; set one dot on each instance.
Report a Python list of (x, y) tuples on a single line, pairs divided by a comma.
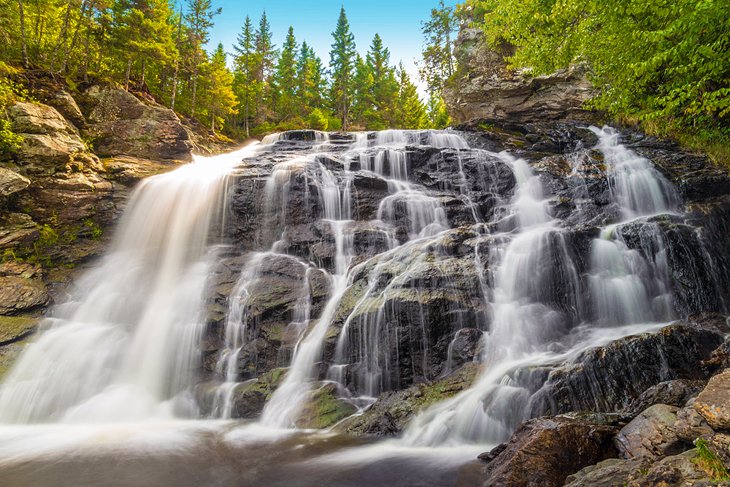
[(489, 90), (544, 451), (610, 378), (413, 314)]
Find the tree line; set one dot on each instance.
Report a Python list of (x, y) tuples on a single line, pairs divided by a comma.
[(256, 88)]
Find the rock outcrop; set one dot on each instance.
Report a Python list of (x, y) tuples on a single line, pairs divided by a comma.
[(58, 197), (485, 88)]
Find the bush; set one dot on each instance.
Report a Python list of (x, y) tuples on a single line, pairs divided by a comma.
[(318, 120)]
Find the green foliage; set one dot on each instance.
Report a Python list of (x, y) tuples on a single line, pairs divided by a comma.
[(410, 113), (708, 461), (318, 120), (652, 60), (438, 116), (342, 66), (438, 63)]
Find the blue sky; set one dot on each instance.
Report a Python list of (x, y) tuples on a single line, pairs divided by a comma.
[(397, 21)]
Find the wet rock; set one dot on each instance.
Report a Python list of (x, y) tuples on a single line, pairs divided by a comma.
[(690, 424), (609, 378), (120, 124), (465, 347), (11, 182), (324, 408), (713, 403), (390, 414), (545, 451), (672, 393), (651, 434)]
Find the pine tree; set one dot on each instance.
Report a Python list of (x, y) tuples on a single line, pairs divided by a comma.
[(246, 85), (362, 111), (266, 56), (221, 99), (286, 78), (200, 20), (342, 64), (384, 85), (410, 112)]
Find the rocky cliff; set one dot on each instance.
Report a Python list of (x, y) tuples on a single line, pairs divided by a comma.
[(484, 88), (82, 151)]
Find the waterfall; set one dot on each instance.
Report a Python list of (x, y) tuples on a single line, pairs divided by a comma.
[(125, 347), (628, 288)]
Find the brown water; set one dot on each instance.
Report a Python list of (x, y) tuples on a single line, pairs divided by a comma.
[(219, 454)]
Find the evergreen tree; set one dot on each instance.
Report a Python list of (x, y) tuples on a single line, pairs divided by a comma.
[(342, 65), (246, 85), (438, 54), (311, 81), (384, 84), (266, 56), (221, 99), (142, 34), (362, 111), (410, 112), (286, 78), (200, 20)]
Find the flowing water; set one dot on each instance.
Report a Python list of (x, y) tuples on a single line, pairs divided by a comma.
[(126, 348)]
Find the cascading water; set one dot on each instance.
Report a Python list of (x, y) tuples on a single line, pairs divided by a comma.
[(369, 263), (126, 346)]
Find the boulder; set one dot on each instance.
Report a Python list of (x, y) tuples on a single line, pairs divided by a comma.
[(672, 392), (20, 294), (545, 451), (324, 408), (390, 414), (613, 472), (651, 434), (611, 377), (36, 118), (713, 403), (690, 424), (11, 182), (15, 328), (120, 124)]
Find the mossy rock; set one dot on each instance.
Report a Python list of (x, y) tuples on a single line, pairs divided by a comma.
[(393, 410), (324, 409), (13, 328)]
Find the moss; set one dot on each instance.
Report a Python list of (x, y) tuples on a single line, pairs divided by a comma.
[(324, 409), (710, 463), (13, 328)]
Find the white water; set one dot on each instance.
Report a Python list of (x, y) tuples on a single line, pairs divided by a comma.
[(126, 347), (137, 318), (627, 289)]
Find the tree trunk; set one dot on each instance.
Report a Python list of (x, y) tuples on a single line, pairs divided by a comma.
[(62, 35), (127, 74), (74, 38), (195, 91), (144, 68), (24, 46)]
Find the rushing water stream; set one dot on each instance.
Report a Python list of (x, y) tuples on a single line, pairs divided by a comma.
[(107, 389)]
